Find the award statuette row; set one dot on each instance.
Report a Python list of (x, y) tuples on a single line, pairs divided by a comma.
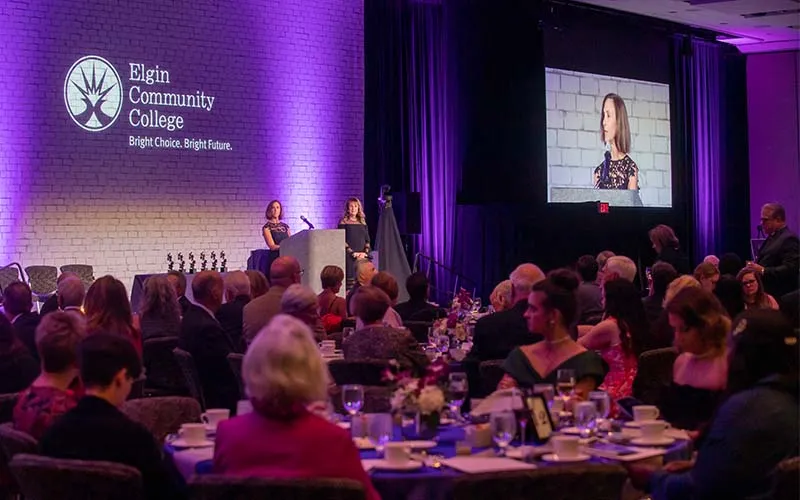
[(222, 262)]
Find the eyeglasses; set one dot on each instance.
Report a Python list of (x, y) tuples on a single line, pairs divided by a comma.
[(302, 272), (749, 282)]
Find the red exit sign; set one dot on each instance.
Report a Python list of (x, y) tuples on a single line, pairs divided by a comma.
[(602, 207)]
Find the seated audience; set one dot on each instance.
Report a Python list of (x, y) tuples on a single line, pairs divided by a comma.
[(365, 270), (667, 247), (377, 341), (17, 305), (601, 259), (730, 264), (661, 333), (496, 335), (730, 294), (755, 428), (332, 308), (283, 272), (778, 262), (551, 310), (51, 394), (713, 260), (51, 304), (701, 369), (109, 311), (96, 429), (620, 338), (500, 299), (417, 308), (590, 302), (70, 294), (708, 276), (178, 281), (18, 367), (388, 284), (619, 267), (661, 275), (753, 289), (231, 313), (159, 312), (202, 337), (258, 283), (301, 302), (284, 374)]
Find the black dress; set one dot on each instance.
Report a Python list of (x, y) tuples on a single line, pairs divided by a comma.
[(619, 173), (279, 231), (356, 239)]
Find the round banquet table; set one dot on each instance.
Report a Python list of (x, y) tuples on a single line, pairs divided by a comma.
[(427, 483)]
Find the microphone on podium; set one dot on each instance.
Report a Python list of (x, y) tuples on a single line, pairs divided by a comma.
[(310, 225), (606, 161)]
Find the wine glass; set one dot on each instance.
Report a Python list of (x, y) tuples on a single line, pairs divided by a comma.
[(504, 427), (522, 413), (602, 402), (585, 415), (432, 335), (565, 382), (352, 398), (379, 430), (443, 341), (546, 390), (476, 305), (457, 389)]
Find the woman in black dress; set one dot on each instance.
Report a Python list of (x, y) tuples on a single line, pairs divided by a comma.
[(667, 247), (274, 231), (356, 236), (615, 131)]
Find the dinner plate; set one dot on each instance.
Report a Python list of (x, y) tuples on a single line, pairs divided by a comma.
[(552, 457), (181, 443), (662, 441), (407, 466), (420, 445)]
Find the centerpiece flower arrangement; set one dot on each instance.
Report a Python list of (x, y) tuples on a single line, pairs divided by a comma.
[(424, 396), (455, 324)]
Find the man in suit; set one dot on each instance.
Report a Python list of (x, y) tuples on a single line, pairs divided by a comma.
[(497, 334), (70, 295), (283, 273), (96, 429), (589, 295), (178, 282), (417, 307), (202, 336), (17, 304), (237, 295), (778, 260), (51, 304)]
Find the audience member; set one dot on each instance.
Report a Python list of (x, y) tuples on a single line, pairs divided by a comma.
[(96, 429), (258, 283), (51, 304), (496, 335), (202, 336), (178, 281), (730, 264), (713, 260), (332, 308), (661, 333), (589, 295), (417, 308), (753, 288), (730, 294), (708, 276), (365, 270), (619, 267), (50, 395), (18, 367), (230, 314), (601, 259), (17, 305), (661, 275), (376, 341), (284, 373), (109, 311), (388, 284), (755, 428), (70, 294), (667, 247), (500, 299), (778, 260), (301, 302), (552, 307), (284, 272), (159, 312)]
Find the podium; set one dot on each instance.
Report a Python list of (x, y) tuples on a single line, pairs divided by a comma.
[(614, 197), (316, 249)]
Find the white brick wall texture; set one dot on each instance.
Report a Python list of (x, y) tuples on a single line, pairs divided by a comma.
[(574, 101)]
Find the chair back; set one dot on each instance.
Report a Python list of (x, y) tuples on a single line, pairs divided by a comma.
[(654, 375), (84, 271), (161, 367), (14, 442), (163, 415), (491, 373), (419, 330), (7, 403), (45, 478), (42, 280), (218, 487), (9, 275), (362, 371), (579, 482), (190, 375), (235, 361), (787, 479)]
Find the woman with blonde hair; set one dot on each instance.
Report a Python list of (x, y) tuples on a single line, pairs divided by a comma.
[(159, 313), (708, 275), (284, 374), (356, 236)]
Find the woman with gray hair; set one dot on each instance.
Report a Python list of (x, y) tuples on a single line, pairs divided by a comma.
[(284, 373), (301, 302)]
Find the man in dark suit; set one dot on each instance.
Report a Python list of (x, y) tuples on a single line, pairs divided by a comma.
[(417, 307), (17, 304), (178, 282), (97, 430), (237, 295), (283, 273), (778, 258), (497, 334), (589, 295), (202, 336), (51, 304)]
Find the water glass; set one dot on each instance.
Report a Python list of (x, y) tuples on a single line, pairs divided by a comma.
[(476, 305), (352, 398), (602, 402), (457, 389), (546, 390), (585, 415), (565, 382), (443, 341), (504, 427), (379, 430), (432, 335)]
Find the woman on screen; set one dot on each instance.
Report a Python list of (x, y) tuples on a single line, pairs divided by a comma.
[(274, 231), (618, 170)]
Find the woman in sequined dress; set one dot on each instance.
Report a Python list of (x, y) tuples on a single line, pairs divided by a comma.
[(615, 131)]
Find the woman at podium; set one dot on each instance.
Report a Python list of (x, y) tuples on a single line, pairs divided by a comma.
[(274, 232), (356, 236), (618, 170)]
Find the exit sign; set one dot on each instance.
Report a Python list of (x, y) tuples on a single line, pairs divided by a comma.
[(602, 207)]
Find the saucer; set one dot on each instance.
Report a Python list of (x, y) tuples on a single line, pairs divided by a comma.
[(181, 443), (420, 445), (572, 431), (661, 441), (552, 457), (523, 452), (400, 466), (637, 424)]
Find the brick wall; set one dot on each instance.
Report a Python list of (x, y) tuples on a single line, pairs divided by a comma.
[(287, 76), (574, 148)]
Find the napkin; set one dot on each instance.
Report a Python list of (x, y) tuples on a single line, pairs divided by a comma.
[(475, 464), (370, 463), (503, 400)]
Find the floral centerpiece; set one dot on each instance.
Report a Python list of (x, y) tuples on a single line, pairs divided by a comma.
[(424, 396), (455, 324)]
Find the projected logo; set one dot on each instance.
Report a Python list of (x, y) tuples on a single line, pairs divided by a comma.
[(93, 93)]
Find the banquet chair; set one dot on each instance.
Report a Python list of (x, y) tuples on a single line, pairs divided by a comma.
[(42, 280), (235, 361), (163, 415), (14, 442), (190, 375), (569, 482), (164, 375), (9, 275), (45, 478), (218, 487), (84, 271), (491, 373), (787, 479), (361, 371), (419, 330), (654, 375), (7, 403)]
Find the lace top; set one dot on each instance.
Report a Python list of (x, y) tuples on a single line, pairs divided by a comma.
[(279, 231), (619, 173)]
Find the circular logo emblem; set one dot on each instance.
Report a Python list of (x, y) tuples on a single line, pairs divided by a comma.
[(93, 93)]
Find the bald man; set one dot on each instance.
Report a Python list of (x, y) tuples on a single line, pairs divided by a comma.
[(51, 304), (283, 273)]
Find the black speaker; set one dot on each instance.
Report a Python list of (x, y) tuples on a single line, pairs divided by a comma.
[(408, 212)]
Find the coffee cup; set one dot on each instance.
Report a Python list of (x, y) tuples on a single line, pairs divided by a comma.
[(215, 416), (566, 446), (645, 412), (193, 434), (653, 429), (396, 453)]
